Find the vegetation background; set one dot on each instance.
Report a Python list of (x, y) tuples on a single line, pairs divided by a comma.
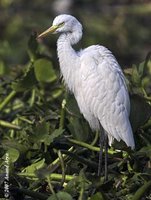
[(50, 149)]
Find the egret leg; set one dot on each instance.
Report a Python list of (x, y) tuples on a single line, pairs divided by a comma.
[(106, 157), (101, 152)]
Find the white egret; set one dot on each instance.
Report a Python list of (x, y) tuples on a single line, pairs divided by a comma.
[(95, 78)]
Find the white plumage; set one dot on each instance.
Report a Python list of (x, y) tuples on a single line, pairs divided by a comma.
[(96, 80)]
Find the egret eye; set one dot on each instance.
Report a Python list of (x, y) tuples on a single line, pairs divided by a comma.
[(61, 24)]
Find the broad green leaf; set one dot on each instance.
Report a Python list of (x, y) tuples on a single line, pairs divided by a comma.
[(97, 196), (148, 64), (44, 71), (60, 196), (13, 144), (12, 155), (75, 185), (135, 76), (141, 68), (79, 128), (142, 191), (72, 106), (146, 81), (140, 111), (41, 131), (2, 68), (128, 71), (26, 82), (34, 166), (53, 135), (145, 151), (149, 67), (32, 46), (57, 92), (71, 187)]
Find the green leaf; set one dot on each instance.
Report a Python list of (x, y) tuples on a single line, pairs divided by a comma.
[(26, 82), (53, 135), (135, 76), (60, 196), (41, 131), (35, 166), (79, 128), (13, 144), (140, 111), (72, 106), (44, 71), (146, 81), (142, 190), (12, 154), (148, 64), (145, 151), (97, 196), (32, 46), (141, 68), (2, 68)]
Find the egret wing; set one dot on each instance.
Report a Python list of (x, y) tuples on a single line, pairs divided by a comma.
[(104, 93)]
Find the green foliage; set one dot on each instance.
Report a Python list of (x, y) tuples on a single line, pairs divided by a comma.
[(26, 82), (52, 152), (97, 196), (60, 196), (13, 154), (44, 71), (139, 105)]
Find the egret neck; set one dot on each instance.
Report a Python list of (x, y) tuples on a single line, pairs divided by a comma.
[(68, 56)]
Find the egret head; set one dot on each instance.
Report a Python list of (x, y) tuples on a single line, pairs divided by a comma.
[(63, 24)]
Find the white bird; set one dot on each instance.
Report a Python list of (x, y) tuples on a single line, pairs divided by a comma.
[(95, 78)]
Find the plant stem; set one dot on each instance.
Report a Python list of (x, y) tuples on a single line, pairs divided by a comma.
[(82, 190), (142, 190), (33, 95), (83, 144), (53, 176), (64, 156), (50, 185), (7, 100), (9, 125), (88, 146), (60, 156), (35, 195)]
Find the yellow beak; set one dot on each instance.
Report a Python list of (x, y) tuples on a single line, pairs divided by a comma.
[(52, 29)]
